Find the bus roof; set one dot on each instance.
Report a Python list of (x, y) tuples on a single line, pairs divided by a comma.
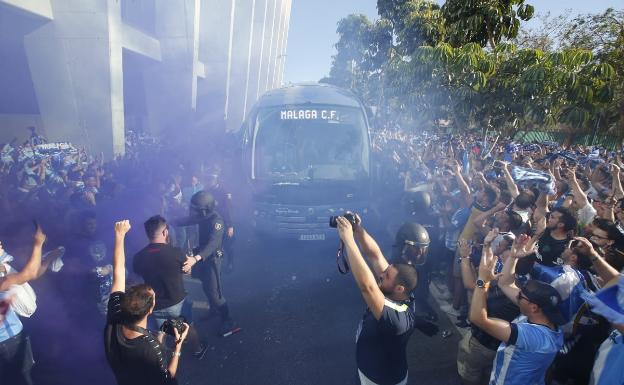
[(313, 93)]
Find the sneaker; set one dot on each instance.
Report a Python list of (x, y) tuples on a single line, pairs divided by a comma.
[(199, 355), (226, 326)]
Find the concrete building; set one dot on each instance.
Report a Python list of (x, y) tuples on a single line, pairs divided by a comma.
[(86, 70)]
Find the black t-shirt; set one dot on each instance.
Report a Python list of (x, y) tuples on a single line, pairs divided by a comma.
[(160, 266), (549, 252), (498, 306), (136, 361), (549, 249), (381, 344)]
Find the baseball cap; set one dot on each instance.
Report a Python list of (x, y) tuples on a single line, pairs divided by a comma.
[(546, 297)]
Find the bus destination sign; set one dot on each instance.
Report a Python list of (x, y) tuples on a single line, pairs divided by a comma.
[(309, 115)]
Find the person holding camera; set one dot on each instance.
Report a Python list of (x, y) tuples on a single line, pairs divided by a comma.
[(134, 354), (388, 323)]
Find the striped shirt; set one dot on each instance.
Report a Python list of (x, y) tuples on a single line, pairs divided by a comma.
[(609, 364), (11, 326), (524, 359)]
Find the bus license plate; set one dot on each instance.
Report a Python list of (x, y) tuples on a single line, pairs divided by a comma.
[(312, 237)]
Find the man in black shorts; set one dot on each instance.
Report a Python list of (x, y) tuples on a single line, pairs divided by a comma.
[(133, 353), (388, 322)]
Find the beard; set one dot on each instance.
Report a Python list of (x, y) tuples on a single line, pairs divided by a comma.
[(386, 292)]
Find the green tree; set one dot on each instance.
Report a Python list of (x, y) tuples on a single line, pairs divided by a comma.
[(484, 21)]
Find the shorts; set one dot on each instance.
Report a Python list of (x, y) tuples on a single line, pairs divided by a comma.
[(474, 361)]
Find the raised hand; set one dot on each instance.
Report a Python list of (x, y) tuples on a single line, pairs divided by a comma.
[(122, 227), (522, 247), (464, 248), (345, 230), (489, 238), (39, 237), (487, 267)]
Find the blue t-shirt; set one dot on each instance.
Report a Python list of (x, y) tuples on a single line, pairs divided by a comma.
[(381, 344), (528, 354), (609, 364), (11, 326)]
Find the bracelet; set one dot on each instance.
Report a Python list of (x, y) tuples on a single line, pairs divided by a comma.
[(177, 354)]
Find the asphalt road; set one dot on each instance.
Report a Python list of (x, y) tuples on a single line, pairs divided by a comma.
[(298, 313), (299, 317)]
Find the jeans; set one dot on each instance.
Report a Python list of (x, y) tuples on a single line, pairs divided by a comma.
[(174, 311), (16, 360)]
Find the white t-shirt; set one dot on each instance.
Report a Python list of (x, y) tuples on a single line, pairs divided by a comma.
[(586, 215)]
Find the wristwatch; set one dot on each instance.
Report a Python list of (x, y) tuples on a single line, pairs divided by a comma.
[(481, 284), (3, 274)]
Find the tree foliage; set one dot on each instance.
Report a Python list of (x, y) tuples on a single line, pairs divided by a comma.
[(425, 64), (484, 21)]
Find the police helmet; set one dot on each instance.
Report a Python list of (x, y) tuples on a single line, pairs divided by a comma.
[(202, 203), (412, 241), (417, 201)]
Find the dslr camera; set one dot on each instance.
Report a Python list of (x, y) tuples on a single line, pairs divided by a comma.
[(348, 215), (175, 323)]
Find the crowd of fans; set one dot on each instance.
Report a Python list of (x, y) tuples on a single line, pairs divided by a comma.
[(543, 217), (73, 195), (525, 234)]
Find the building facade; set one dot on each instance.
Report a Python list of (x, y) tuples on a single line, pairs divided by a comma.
[(86, 71)]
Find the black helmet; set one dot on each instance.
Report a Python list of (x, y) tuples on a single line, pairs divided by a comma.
[(202, 203), (417, 201), (411, 243)]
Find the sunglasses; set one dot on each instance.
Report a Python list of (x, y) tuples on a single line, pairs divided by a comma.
[(522, 296)]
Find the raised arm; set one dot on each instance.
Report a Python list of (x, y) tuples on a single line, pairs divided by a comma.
[(467, 271), (616, 185), (479, 220), (119, 257), (541, 208), (523, 246), (605, 271), (497, 328), (461, 183), (362, 274), (29, 272), (371, 249), (511, 185), (580, 198)]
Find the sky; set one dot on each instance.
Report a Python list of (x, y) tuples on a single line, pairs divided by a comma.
[(313, 23)]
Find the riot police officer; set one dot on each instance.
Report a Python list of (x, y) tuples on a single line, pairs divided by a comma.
[(208, 257), (411, 246), (223, 204)]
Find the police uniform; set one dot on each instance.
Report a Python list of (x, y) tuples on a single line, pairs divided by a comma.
[(223, 206), (211, 229), (208, 270)]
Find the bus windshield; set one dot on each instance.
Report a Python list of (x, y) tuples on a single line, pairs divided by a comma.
[(297, 143)]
